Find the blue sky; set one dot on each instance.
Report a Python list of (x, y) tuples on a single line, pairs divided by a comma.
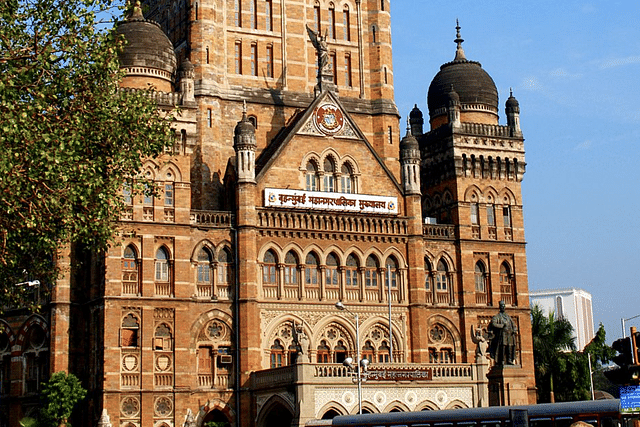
[(575, 69)]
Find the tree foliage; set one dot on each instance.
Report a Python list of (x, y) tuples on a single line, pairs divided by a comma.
[(559, 367), (61, 394), (69, 137)]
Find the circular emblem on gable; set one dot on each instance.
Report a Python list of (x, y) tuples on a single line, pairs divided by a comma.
[(329, 119)]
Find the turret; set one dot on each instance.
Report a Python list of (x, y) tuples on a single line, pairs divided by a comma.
[(416, 121), (512, 109), (186, 75), (454, 108), (244, 143), (410, 163)]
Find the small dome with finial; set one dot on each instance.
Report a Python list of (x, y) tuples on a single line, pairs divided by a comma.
[(512, 103), (409, 142), (244, 132)]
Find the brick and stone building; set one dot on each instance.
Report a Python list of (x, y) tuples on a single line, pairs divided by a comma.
[(290, 188)]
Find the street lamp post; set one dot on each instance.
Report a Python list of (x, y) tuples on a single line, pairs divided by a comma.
[(361, 365), (624, 332)]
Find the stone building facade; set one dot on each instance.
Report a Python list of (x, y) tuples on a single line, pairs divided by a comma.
[(291, 188)]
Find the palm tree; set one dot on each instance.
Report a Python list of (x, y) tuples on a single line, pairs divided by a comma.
[(552, 337)]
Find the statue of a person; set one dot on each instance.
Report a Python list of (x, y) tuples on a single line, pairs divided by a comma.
[(479, 338), (502, 332), (320, 43)]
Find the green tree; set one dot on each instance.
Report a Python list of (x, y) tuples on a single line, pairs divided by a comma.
[(562, 372), (69, 137), (60, 394), (551, 338)]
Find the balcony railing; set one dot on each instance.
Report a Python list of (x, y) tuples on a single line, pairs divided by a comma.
[(212, 219)]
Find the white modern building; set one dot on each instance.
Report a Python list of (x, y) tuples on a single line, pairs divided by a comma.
[(572, 304)]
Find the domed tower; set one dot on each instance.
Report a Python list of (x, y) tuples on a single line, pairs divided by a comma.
[(244, 143), (148, 59), (471, 173), (410, 162)]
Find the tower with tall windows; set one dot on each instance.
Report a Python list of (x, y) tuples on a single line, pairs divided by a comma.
[(290, 189)]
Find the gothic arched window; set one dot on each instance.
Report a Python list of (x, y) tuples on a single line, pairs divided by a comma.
[(329, 178), (351, 271), (311, 269), (162, 265), (347, 180), (130, 271), (291, 269), (226, 273), (312, 177), (391, 273), (204, 266), (269, 268), (371, 272), (332, 271)]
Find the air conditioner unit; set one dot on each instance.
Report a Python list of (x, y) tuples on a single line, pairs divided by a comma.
[(226, 359), (430, 220)]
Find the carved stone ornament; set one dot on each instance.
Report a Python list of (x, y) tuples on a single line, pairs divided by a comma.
[(329, 119)]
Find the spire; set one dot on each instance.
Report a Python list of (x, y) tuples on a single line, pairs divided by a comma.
[(459, 40)]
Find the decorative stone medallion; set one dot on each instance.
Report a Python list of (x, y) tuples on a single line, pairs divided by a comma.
[(130, 362), (329, 119), (163, 406), (163, 362), (130, 407)]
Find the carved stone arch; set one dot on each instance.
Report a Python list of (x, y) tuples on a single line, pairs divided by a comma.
[(427, 202), (134, 245), (507, 197), (198, 326), (357, 253), (272, 330), (490, 195), (427, 405), (332, 406), (396, 406), (150, 170), (33, 320), (456, 404), (277, 410), (275, 248), (381, 325), (312, 248), (352, 162), (296, 248), (450, 327), (473, 194), (447, 197), (169, 172), (367, 408), (451, 266), (203, 244), (376, 253), (213, 405), (5, 328), (312, 157), (226, 243), (336, 251), (402, 263), (437, 200), (342, 327)]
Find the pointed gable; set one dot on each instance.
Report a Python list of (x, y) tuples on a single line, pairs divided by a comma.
[(321, 125)]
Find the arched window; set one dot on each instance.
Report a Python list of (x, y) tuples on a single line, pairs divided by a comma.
[(130, 271), (368, 351), (428, 279), (332, 271), (162, 265), (291, 269), (383, 353), (332, 21), (269, 15), (269, 268), (277, 355), (36, 358), (346, 23), (371, 272), (312, 177), (162, 338), (311, 269), (237, 13), (339, 352), (129, 331), (204, 266), (323, 352), (507, 293), (391, 273), (317, 18), (480, 278), (351, 272), (329, 178), (442, 277), (347, 181), (253, 12), (226, 273)]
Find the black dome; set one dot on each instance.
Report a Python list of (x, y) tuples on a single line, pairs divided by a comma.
[(472, 84), (147, 45)]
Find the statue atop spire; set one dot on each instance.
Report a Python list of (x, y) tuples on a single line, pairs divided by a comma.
[(460, 56)]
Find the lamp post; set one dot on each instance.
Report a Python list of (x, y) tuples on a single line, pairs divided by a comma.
[(624, 332), (361, 365)]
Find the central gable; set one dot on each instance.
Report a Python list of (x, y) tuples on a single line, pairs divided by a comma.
[(323, 149)]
